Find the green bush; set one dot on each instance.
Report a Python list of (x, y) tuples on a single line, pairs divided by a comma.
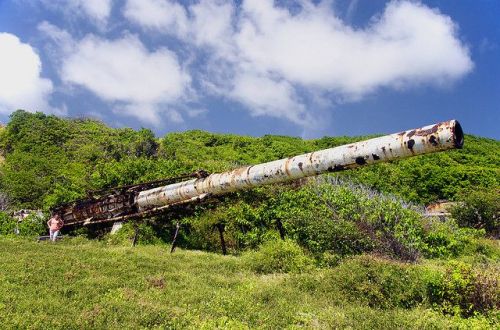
[(7, 224), (32, 225), (329, 217), (308, 219), (379, 283), (278, 256), (364, 220), (446, 239), (125, 235), (204, 231), (463, 290), (479, 209)]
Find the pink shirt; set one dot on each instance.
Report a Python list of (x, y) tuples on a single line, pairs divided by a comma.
[(55, 224)]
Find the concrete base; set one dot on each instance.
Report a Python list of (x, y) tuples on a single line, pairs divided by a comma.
[(116, 226)]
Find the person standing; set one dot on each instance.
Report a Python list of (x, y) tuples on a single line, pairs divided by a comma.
[(55, 224)]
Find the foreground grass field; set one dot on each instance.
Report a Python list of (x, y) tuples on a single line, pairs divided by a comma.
[(78, 284)]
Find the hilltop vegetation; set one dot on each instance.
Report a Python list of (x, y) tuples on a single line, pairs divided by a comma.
[(49, 160), (328, 242)]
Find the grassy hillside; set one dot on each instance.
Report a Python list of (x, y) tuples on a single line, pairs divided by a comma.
[(82, 284)]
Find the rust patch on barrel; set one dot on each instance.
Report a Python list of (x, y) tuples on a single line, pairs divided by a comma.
[(425, 132), (433, 140), (287, 164), (311, 157), (360, 160), (411, 144), (336, 168)]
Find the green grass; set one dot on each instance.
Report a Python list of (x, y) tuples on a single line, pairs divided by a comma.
[(77, 284)]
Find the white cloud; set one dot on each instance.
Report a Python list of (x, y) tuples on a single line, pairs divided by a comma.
[(206, 23), (97, 10), (265, 96), (151, 113), (21, 84), (135, 75), (196, 112), (142, 83), (63, 40), (408, 44), (166, 16), (212, 24), (262, 55), (351, 9)]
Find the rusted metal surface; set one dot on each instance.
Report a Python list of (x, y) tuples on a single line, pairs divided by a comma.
[(107, 207), (428, 139), (440, 209), (113, 204), (144, 200)]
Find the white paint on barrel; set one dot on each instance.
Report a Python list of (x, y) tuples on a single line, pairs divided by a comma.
[(428, 139)]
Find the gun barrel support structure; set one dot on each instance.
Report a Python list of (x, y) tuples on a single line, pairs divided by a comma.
[(428, 139)]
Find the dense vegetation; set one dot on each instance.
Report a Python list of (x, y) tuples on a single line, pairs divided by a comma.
[(343, 238), (49, 160)]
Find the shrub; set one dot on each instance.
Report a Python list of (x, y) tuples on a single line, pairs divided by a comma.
[(278, 256), (445, 239), (205, 231), (125, 235), (479, 209), (32, 225), (461, 290), (320, 234), (7, 224), (383, 223), (379, 283)]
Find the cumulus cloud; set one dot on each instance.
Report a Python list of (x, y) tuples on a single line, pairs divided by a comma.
[(97, 10), (166, 16), (135, 75), (140, 82), (267, 57), (21, 84), (409, 43), (133, 80), (266, 96)]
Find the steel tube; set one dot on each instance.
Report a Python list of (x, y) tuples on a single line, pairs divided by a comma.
[(428, 139)]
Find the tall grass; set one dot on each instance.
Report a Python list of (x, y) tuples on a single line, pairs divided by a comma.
[(77, 284)]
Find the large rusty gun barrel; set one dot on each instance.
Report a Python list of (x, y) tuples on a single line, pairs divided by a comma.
[(428, 139)]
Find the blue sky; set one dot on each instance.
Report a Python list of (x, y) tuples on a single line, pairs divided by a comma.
[(301, 68)]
